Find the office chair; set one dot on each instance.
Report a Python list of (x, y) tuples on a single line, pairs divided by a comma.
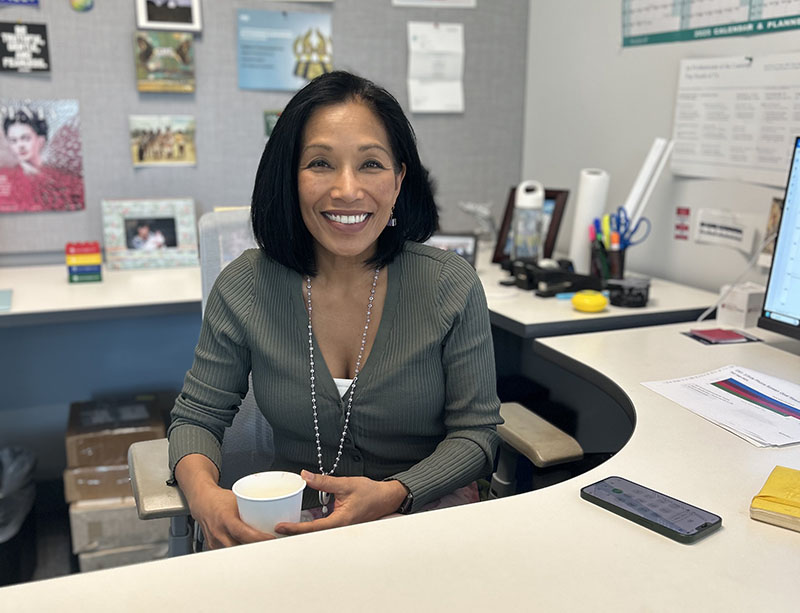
[(524, 433), (247, 446)]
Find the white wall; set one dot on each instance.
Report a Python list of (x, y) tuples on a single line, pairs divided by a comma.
[(591, 103)]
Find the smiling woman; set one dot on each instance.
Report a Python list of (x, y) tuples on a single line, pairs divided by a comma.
[(370, 353)]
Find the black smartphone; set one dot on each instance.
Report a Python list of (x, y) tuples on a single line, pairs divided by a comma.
[(673, 518)]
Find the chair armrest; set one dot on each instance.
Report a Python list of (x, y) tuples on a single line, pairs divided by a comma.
[(148, 463), (536, 438)]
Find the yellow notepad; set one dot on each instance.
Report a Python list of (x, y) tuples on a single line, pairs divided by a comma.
[(778, 502)]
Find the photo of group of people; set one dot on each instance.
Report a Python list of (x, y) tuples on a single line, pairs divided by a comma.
[(41, 166), (159, 140)]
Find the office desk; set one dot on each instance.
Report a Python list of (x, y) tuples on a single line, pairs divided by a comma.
[(526, 315), (56, 327), (42, 294), (62, 342), (546, 550)]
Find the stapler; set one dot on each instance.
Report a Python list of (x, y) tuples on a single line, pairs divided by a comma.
[(549, 281)]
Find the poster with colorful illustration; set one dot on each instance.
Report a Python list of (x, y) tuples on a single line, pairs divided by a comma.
[(281, 50), (164, 61), (162, 140), (23, 47), (41, 166)]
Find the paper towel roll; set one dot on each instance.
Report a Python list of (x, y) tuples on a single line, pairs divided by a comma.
[(590, 203)]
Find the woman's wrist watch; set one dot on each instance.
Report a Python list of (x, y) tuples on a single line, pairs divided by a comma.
[(405, 506)]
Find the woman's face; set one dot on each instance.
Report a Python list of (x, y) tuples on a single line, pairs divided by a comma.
[(346, 180), (25, 143)]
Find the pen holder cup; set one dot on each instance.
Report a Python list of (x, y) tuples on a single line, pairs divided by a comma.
[(607, 264)]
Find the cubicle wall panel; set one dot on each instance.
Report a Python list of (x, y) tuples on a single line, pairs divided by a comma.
[(474, 156)]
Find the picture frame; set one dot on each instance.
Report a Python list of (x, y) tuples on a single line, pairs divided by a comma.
[(465, 245), (162, 140), (149, 233), (181, 15), (555, 203)]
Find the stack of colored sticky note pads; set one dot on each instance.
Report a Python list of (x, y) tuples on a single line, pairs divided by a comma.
[(84, 262)]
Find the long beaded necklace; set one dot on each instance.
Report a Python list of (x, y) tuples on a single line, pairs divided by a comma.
[(324, 497)]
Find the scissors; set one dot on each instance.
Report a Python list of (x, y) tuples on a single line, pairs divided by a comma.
[(620, 222)]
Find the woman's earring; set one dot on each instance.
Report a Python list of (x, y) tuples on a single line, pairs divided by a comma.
[(392, 220)]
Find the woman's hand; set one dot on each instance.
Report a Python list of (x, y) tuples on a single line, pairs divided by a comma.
[(358, 499), (213, 507), (218, 515)]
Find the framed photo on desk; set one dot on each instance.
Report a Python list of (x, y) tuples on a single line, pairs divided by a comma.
[(554, 202), (149, 233), (465, 245)]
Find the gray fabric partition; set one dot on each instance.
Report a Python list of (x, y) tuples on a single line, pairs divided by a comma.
[(473, 156)]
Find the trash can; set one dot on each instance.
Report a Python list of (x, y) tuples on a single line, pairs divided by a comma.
[(17, 530)]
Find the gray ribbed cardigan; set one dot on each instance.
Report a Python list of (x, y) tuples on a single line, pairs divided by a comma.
[(425, 408)]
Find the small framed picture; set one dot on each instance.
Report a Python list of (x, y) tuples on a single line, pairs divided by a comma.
[(270, 119), (164, 61), (465, 245), (168, 15), (149, 233), (162, 140), (554, 202)]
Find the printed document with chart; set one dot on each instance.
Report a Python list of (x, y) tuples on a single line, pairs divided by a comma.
[(762, 409)]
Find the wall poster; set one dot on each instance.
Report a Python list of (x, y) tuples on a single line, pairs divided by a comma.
[(736, 118), (282, 50), (646, 22), (41, 166), (164, 61), (24, 48)]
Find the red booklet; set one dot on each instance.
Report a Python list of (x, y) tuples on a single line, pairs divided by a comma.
[(718, 335)]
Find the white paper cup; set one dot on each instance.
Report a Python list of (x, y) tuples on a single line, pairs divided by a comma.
[(269, 498)]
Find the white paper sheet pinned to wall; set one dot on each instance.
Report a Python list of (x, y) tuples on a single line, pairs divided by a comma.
[(762, 409), (435, 67), (736, 117)]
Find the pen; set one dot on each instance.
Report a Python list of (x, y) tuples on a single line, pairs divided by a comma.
[(615, 257), (598, 251), (606, 225)]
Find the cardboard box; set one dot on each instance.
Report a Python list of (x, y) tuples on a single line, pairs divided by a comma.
[(121, 556), (93, 482), (112, 522), (99, 432), (161, 401)]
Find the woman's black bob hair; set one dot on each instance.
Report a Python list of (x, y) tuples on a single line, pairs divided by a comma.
[(275, 212)]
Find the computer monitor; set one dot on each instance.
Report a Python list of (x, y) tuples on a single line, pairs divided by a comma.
[(781, 310)]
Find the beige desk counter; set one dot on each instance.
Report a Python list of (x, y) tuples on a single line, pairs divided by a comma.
[(546, 551), (527, 315), (42, 294)]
